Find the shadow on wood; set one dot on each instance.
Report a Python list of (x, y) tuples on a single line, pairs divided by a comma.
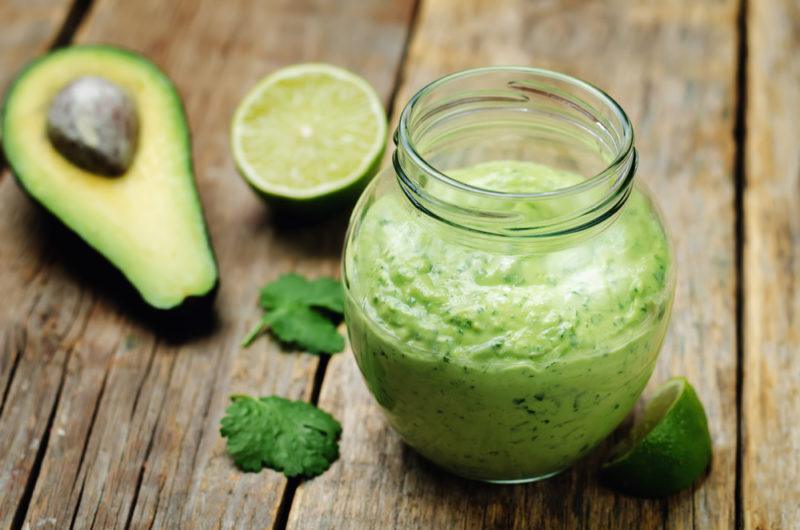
[(320, 237), (194, 319)]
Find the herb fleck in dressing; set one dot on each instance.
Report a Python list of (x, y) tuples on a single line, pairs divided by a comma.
[(506, 366)]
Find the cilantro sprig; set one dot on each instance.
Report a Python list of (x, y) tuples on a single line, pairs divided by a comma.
[(294, 437), (298, 312)]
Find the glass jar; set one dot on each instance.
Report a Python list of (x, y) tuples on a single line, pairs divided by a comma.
[(508, 284)]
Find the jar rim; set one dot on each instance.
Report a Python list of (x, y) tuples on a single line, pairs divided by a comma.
[(404, 141)]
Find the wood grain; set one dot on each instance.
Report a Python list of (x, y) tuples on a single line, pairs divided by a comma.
[(111, 410), (671, 65), (35, 341), (771, 368), (29, 28)]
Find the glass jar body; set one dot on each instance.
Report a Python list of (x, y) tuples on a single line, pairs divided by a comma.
[(503, 365)]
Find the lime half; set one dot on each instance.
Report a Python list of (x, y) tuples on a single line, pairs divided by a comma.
[(309, 135), (668, 448)]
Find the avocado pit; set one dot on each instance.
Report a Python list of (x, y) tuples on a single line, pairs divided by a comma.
[(94, 124)]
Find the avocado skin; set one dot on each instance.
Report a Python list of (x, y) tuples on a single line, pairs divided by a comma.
[(193, 304)]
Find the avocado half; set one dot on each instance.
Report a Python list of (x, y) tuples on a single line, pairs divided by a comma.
[(148, 221)]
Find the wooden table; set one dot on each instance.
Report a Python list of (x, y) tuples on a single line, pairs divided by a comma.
[(109, 417)]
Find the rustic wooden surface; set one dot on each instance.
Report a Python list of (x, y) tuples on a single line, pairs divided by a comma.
[(109, 414), (771, 367), (672, 67), (29, 27), (121, 410)]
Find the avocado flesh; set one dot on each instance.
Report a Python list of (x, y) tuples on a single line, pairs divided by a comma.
[(148, 221)]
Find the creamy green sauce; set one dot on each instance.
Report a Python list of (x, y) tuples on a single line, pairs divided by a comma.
[(506, 367)]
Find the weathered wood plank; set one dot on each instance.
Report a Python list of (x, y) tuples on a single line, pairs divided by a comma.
[(672, 66), (771, 328), (135, 399), (31, 364), (29, 27), (42, 325)]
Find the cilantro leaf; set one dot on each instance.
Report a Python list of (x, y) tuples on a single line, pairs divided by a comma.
[(293, 289), (294, 437), (292, 304), (305, 327)]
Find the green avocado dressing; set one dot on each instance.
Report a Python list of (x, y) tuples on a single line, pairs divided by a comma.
[(506, 367)]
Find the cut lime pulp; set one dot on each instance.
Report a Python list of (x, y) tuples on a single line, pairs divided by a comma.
[(309, 136)]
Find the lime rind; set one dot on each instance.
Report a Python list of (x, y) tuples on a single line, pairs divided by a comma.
[(368, 109), (667, 450)]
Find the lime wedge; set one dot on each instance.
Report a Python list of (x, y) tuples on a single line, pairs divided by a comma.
[(668, 448), (309, 135)]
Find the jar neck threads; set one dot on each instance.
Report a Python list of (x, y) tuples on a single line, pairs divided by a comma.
[(516, 114)]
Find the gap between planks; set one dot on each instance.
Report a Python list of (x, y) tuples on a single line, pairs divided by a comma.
[(75, 16), (740, 181)]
